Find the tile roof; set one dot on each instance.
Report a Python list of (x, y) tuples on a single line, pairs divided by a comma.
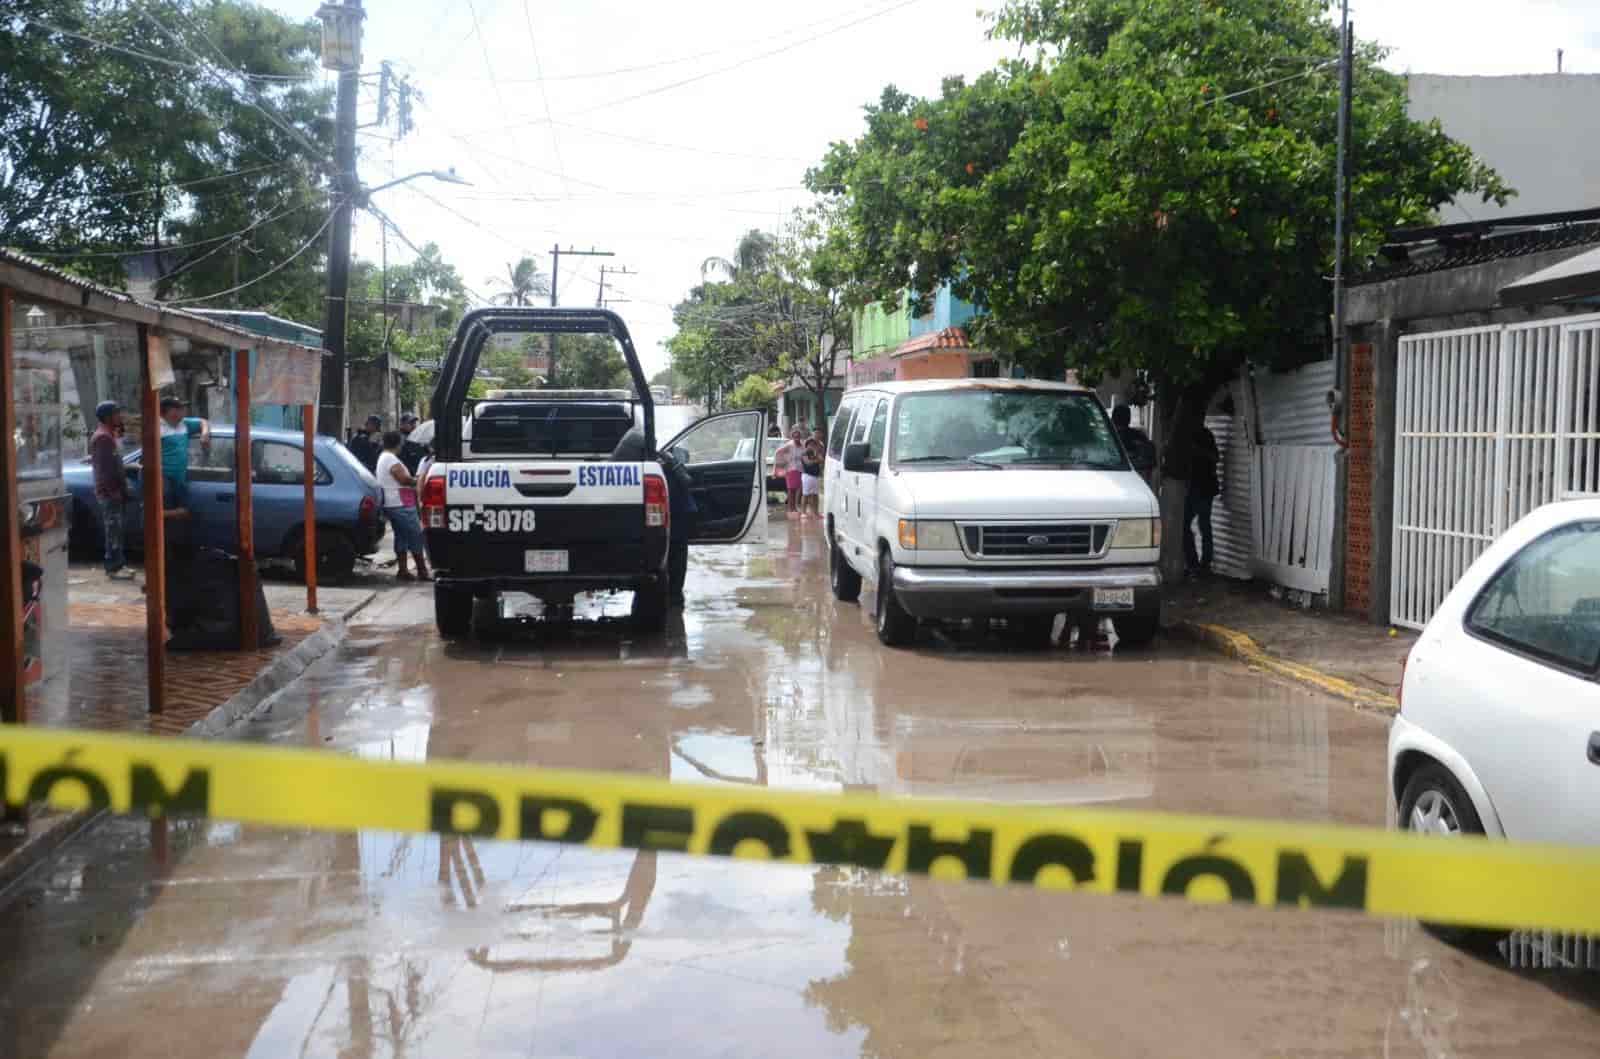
[(1461, 251), (949, 338)]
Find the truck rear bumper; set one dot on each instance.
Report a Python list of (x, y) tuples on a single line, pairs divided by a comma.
[(548, 584), (953, 593)]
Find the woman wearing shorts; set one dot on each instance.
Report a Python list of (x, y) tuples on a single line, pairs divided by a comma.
[(400, 508), (792, 477), (810, 479)]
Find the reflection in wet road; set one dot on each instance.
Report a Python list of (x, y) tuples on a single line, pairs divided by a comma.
[(219, 940)]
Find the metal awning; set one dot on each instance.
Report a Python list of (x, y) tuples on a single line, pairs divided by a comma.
[(1576, 277)]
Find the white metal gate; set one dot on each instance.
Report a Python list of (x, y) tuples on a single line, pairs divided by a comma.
[(1490, 422)]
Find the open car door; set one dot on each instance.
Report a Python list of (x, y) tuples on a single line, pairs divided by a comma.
[(723, 455)]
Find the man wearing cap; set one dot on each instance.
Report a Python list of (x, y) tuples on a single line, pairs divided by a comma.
[(411, 453), (176, 430), (110, 485)]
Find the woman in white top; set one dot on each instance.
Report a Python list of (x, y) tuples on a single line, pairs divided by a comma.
[(400, 508)]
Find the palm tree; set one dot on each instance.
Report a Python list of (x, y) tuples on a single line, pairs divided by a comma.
[(751, 257), (525, 283)]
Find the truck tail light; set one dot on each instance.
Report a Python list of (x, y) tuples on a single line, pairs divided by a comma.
[(655, 501), (433, 499)]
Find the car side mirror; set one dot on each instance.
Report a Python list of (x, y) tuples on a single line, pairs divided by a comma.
[(855, 457)]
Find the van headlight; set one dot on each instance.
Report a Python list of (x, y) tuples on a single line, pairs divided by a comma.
[(1137, 533), (929, 536)]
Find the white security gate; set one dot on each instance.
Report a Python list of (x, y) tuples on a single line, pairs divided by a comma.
[(1294, 489), (1490, 422)]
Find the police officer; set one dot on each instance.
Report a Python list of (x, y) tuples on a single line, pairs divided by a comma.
[(684, 514)]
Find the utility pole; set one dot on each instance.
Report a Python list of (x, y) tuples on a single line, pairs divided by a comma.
[(347, 186), (600, 298), (555, 273), (1341, 221)]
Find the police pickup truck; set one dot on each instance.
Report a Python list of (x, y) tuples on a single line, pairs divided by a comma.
[(557, 493)]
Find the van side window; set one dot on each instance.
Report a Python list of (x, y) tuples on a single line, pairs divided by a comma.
[(880, 430), (863, 420), (841, 428)]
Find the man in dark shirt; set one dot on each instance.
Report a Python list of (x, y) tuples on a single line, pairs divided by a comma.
[(364, 445), (1202, 490), (110, 485), (410, 452)]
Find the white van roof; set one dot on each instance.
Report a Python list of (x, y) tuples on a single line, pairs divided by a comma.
[(937, 385)]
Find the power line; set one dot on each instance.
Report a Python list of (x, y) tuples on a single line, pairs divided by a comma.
[(538, 69), (488, 67), (751, 59), (125, 252), (189, 183), (159, 60), (1271, 84), (315, 153), (641, 141), (280, 266), (395, 228)]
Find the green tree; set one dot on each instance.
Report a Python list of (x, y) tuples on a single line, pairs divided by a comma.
[(753, 392), (523, 283), (103, 150), (1148, 185), (590, 362)]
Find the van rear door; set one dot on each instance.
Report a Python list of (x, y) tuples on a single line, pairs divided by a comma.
[(723, 455)]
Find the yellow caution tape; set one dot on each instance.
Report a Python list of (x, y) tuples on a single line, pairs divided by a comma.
[(1472, 882)]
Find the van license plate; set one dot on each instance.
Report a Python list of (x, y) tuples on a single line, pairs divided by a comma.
[(545, 561), (1113, 599)]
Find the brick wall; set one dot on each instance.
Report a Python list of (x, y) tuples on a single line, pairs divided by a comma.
[(1358, 494)]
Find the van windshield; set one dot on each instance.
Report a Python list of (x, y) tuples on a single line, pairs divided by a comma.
[(990, 428)]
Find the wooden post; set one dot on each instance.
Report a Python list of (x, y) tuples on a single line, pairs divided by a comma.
[(155, 536), (249, 627), (309, 412), (13, 685)]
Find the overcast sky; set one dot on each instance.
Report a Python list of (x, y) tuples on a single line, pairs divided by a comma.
[(662, 132)]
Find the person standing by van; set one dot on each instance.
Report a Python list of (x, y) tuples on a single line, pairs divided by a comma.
[(792, 475), (810, 479), (110, 485), (1140, 448)]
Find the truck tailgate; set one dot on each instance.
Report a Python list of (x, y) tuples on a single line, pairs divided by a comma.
[(543, 517)]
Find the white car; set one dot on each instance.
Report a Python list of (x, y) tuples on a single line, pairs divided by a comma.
[(1499, 725), (988, 498)]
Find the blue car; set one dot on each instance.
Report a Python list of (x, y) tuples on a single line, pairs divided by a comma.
[(347, 500)]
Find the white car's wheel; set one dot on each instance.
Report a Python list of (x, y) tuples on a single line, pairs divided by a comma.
[(1434, 803)]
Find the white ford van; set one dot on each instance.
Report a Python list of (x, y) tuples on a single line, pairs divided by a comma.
[(989, 498)]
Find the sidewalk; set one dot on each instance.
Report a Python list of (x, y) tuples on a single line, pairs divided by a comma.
[(101, 685), (1335, 653)]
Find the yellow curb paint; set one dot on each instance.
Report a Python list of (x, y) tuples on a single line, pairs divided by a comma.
[(1243, 647)]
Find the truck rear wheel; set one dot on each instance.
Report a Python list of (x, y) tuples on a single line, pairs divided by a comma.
[(650, 605), (452, 611)]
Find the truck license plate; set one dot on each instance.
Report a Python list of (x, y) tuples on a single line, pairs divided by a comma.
[(551, 561), (1113, 599)]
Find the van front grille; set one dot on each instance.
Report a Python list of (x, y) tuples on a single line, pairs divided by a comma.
[(1044, 540)]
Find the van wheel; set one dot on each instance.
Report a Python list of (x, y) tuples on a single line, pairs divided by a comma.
[(1136, 630), (452, 611), (1034, 633), (896, 628), (846, 583)]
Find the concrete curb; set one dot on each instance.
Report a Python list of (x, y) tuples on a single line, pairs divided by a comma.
[(1244, 648), (246, 704)]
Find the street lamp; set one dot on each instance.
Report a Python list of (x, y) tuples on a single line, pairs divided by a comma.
[(447, 176)]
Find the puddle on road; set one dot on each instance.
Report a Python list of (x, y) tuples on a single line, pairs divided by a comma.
[(212, 939)]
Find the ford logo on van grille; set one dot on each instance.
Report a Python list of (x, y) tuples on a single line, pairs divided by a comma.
[(1037, 540)]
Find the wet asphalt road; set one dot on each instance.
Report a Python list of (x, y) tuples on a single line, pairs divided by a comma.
[(221, 940)]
